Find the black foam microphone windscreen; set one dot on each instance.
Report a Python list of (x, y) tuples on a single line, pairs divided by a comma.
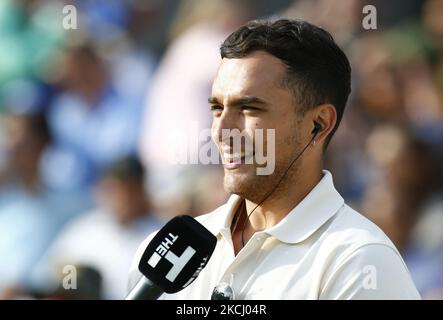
[(176, 255)]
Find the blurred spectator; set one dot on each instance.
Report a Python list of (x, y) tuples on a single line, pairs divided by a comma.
[(96, 88), (30, 33), (93, 120), (28, 222), (346, 15), (105, 238), (406, 195), (142, 22)]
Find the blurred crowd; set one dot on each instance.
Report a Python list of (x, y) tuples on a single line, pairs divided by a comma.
[(87, 117)]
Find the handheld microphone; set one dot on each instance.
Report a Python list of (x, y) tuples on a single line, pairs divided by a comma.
[(173, 259)]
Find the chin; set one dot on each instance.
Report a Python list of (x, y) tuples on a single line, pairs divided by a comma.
[(242, 184)]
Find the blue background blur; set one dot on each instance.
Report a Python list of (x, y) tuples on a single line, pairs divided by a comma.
[(87, 115)]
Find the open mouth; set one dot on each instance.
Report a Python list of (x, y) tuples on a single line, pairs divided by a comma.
[(235, 160)]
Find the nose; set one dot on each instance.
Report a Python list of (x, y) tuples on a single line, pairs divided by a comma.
[(228, 120)]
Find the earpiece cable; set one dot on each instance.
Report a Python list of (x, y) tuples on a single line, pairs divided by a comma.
[(275, 188)]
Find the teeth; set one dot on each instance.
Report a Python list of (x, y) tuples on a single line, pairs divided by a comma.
[(236, 155)]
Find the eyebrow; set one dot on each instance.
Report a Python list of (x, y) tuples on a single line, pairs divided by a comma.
[(245, 100)]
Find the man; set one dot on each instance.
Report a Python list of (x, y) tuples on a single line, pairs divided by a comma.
[(288, 235)]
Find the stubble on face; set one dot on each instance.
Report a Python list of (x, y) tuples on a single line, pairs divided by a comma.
[(256, 187)]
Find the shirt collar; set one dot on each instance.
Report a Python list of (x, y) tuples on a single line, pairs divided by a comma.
[(222, 217), (308, 216)]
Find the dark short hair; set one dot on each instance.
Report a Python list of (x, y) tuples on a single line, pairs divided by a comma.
[(317, 69), (126, 169)]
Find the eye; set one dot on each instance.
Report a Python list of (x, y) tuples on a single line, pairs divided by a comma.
[(216, 109), (249, 108)]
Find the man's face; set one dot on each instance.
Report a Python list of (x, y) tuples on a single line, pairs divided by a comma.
[(248, 94)]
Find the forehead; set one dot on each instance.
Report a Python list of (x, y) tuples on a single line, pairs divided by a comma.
[(256, 73)]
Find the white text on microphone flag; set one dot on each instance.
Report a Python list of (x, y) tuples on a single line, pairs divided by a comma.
[(178, 263)]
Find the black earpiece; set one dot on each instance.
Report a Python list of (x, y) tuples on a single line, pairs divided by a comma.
[(317, 128)]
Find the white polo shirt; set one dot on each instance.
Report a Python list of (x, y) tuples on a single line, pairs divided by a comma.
[(322, 249)]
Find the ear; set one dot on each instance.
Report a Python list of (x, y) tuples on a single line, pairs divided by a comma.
[(326, 116)]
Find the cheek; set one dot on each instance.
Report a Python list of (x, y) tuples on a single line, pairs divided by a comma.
[(252, 128), (285, 140), (251, 125)]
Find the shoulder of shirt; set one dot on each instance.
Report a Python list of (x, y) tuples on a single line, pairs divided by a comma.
[(349, 230), (349, 235)]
